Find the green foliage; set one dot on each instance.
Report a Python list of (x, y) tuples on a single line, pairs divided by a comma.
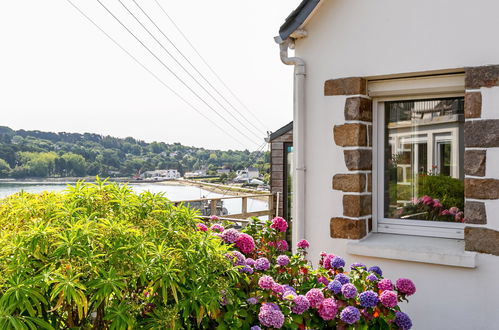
[(4, 168), (449, 190), (46, 154), (99, 255)]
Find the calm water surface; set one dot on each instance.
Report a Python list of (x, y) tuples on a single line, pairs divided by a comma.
[(173, 192)]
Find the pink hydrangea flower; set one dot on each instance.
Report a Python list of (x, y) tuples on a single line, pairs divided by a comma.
[(266, 282), (217, 228), (245, 243), (303, 244), (388, 298), (279, 224), (315, 297), (406, 286), (326, 263), (385, 284), (214, 218), (202, 227), (282, 245), (328, 309)]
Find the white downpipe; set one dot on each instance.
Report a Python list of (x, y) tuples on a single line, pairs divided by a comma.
[(298, 227)]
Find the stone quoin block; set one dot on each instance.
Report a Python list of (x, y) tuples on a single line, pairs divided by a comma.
[(369, 182), (358, 159), (350, 135), (472, 104), (357, 205), (349, 182), (347, 228), (474, 162), (475, 212), (481, 76), (345, 86), (358, 108), (481, 133), (481, 188), (483, 240)]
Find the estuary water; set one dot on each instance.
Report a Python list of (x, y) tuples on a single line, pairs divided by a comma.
[(172, 192)]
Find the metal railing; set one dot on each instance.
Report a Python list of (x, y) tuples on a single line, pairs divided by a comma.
[(215, 202)]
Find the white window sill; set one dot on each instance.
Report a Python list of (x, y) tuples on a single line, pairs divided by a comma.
[(432, 250)]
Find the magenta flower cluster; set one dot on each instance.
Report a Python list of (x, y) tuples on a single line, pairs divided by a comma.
[(202, 227), (283, 260), (315, 297), (230, 235), (405, 286), (300, 304), (303, 244), (245, 243), (279, 224), (327, 309)]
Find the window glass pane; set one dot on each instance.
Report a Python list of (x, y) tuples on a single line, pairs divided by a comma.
[(289, 182), (424, 159)]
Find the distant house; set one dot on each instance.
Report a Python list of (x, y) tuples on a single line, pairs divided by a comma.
[(281, 168), (160, 175), (223, 171), (396, 103), (247, 174)]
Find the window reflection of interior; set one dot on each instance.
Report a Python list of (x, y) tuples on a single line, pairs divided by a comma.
[(424, 139)]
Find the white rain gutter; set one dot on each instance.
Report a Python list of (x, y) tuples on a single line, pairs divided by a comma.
[(298, 221)]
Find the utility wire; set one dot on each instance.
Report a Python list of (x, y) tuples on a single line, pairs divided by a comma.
[(199, 73), (183, 82), (152, 73), (209, 67), (170, 70)]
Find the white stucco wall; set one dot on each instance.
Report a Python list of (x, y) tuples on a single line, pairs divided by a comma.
[(348, 38)]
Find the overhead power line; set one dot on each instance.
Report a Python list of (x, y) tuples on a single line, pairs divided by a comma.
[(153, 74), (199, 73), (172, 72), (209, 67)]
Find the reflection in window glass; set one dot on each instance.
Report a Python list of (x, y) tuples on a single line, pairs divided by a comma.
[(424, 159)]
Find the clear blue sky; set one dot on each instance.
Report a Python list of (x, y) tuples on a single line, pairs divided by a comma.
[(59, 73)]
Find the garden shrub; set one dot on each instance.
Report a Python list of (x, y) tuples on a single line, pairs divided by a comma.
[(448, 190), (282, 290), (100, 256)]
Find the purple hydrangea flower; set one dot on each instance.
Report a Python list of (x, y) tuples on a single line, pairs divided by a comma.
[(282, 260), (315, 297), (271, 316), (266, 282), (372, 278), (388, 298), (337, 262), (328, 309), (262, 263), (342, 278), (279, 224), (385, 284), (368, 299), (357, 265), (230, 235), (288, 294), (255, 327), (405, 285), (301, 304), (246, 269), (303, 244), (350, 315), (237, 258), (403, 320), (288, 288), (376, 270), (349, 290), (250, 262), (335, 286), (252, 301)]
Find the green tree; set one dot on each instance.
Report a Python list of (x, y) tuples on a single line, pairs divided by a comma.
[(4, 168)]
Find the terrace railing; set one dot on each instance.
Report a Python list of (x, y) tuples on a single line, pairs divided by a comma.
[(215, 202)]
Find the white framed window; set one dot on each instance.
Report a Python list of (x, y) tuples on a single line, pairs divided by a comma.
[(418, 157)]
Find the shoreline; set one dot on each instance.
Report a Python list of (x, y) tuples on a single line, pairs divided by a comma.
[(226, 190)]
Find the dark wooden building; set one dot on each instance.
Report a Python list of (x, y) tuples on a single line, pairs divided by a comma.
[(281, 159)]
